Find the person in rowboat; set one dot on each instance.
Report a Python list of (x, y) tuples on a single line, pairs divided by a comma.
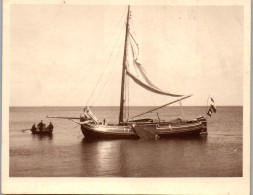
[(41, 125), (33, 127), (50, 126)]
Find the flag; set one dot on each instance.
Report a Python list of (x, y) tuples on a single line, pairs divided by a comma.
[(212, 108), (209, 113)]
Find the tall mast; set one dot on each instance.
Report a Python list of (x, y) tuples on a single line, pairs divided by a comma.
[(122, 100)]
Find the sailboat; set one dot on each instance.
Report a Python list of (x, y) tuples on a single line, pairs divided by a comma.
[(138, 128)]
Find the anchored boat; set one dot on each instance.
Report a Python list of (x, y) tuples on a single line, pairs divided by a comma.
[(131, 128)]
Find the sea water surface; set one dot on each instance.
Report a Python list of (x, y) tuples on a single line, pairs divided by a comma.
[(68, 154)]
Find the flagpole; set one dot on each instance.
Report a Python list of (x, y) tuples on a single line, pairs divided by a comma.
[(181, 110), (207, 104)]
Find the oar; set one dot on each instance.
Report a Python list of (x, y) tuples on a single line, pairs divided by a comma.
[(25, 130)]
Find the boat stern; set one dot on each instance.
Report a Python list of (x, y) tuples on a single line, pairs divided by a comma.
[(203, 121)]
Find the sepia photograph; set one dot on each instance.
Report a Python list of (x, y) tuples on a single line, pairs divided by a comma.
[(126, 93)]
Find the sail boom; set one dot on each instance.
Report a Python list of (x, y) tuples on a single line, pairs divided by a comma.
[(162, 106), (63, 117)]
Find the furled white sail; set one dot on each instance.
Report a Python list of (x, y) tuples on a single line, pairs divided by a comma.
[(136, 71)]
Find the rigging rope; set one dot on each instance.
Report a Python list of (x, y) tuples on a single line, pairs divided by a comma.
[(132, 22), (111, 73), (108, 59), (124, 113), (128, 98), (181, 109), (126, 107)]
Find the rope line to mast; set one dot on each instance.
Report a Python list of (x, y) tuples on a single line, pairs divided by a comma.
[(128, 98), (108, 59), (132, 24), (124, 108), (108, 79)]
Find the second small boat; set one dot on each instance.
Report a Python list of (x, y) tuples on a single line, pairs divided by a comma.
[(42, 129)]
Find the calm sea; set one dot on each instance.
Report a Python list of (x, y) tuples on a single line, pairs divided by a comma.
[(68, 153)]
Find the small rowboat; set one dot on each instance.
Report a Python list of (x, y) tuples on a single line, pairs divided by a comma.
[(43, 131)]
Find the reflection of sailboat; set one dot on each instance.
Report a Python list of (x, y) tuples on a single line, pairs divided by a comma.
[(101, 158), (127, 128)]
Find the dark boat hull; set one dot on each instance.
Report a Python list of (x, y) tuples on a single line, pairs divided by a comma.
[(44, 131), (129, 131), (114, 132)]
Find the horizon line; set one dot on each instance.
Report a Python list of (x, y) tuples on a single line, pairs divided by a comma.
[(129, 106)]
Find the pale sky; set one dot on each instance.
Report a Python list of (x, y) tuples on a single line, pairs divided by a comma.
[(58, 53)]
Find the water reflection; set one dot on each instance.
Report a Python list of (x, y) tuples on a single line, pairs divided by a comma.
[(138, 158), (217, 155), (42, 136), (100, 158)]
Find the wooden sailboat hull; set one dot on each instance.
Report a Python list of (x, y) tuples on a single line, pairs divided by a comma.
[(180, 130), (130, 131), (139, 128), (108, 131)]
